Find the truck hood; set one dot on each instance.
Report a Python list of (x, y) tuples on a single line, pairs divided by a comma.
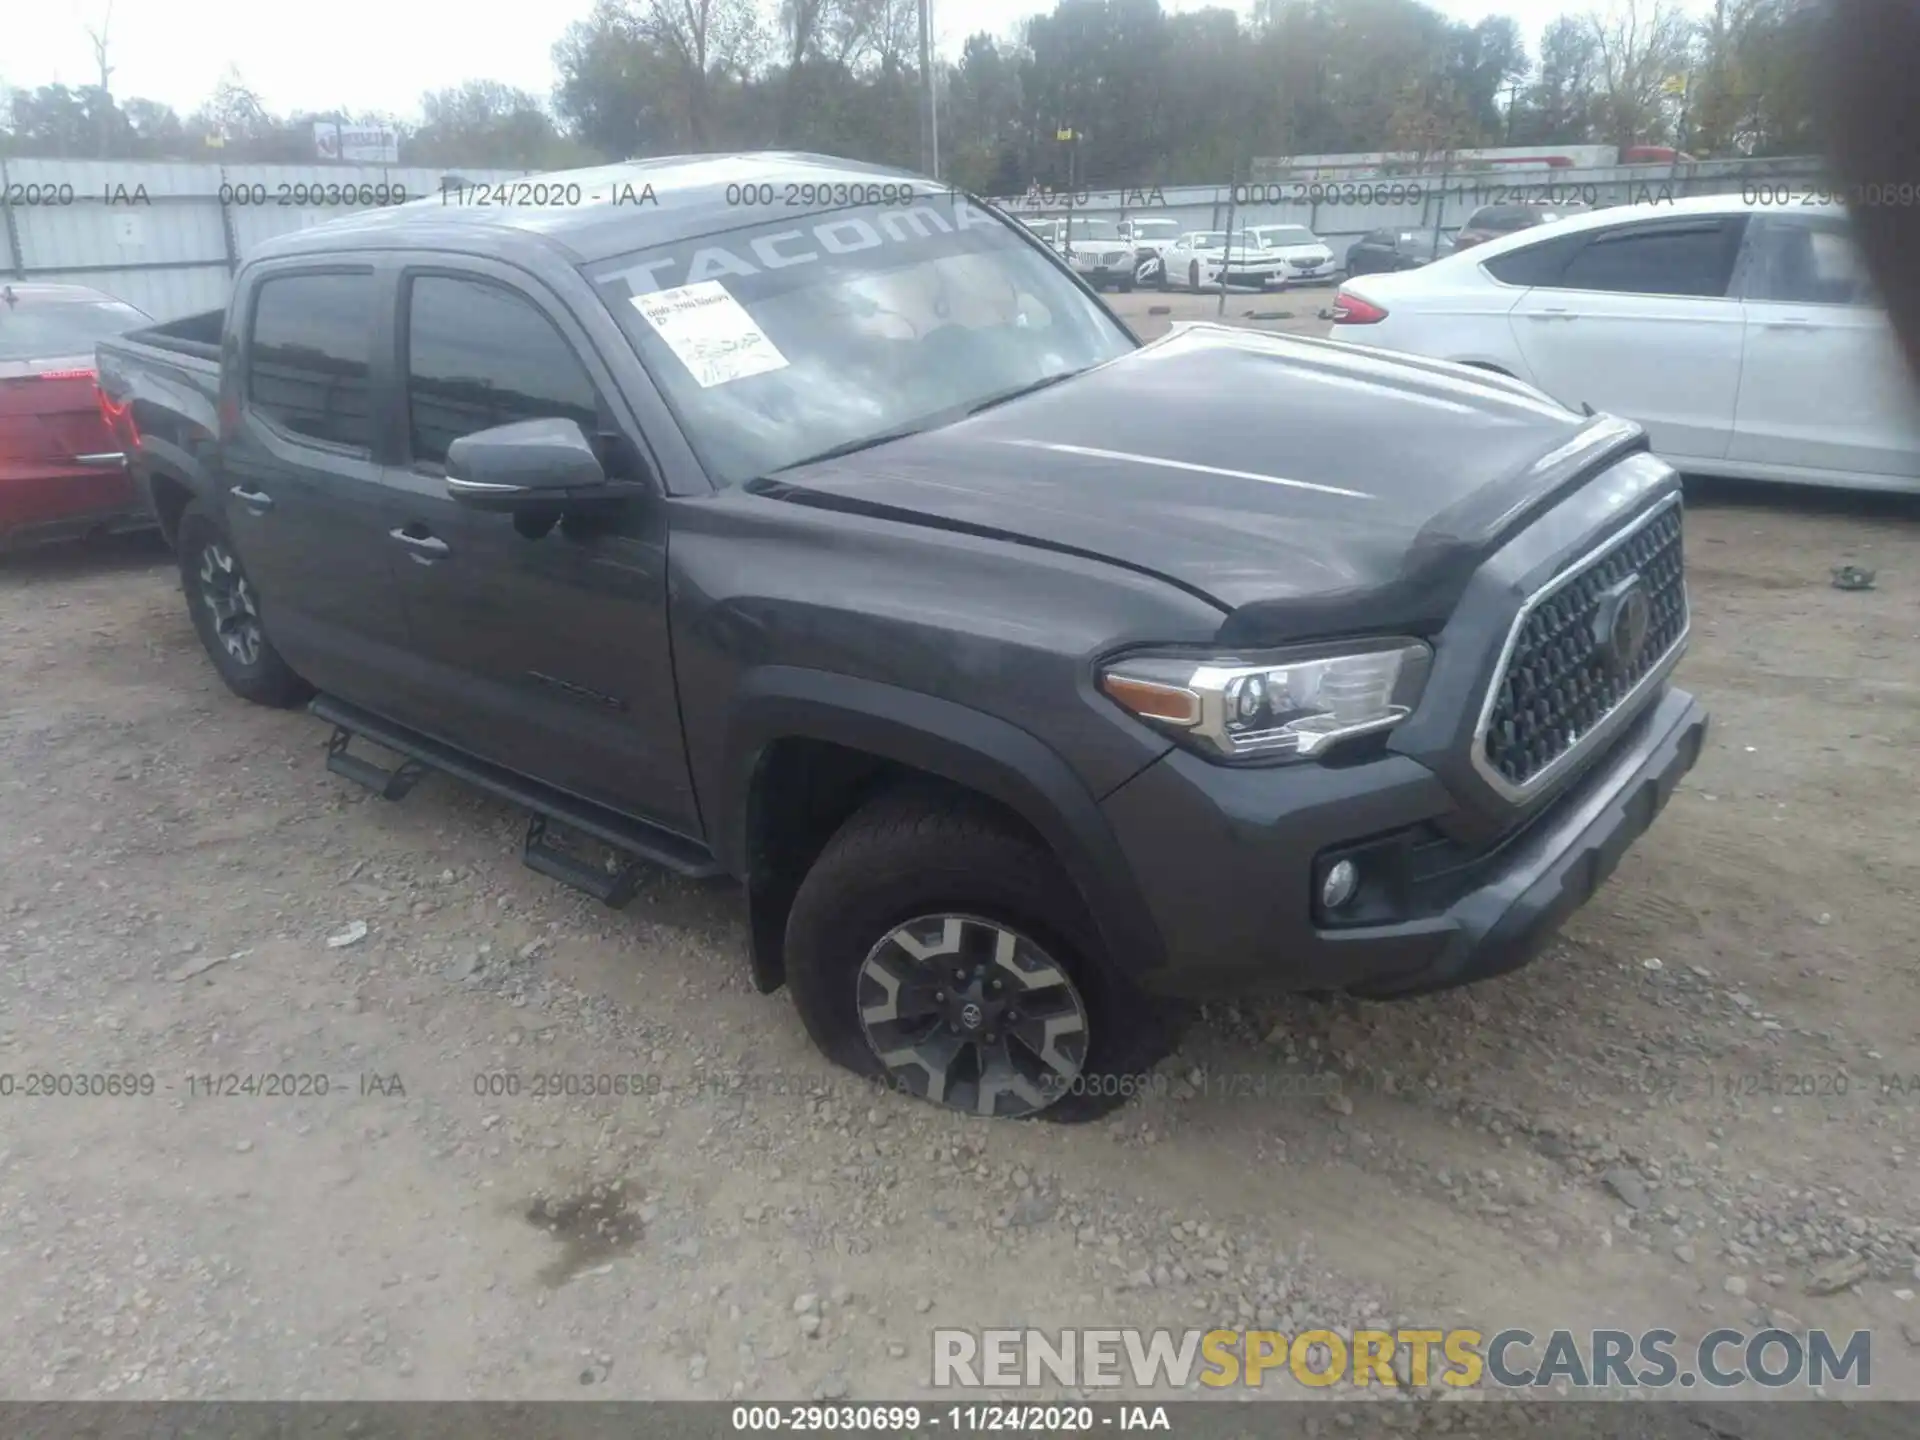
[(1317, 488)]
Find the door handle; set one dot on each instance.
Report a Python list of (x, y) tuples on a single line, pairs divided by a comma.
[(1793, 323), (1553, 312), (255, 500), (424, 547)]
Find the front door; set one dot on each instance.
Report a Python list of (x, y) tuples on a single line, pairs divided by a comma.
[(1639, 324), (543, 638)]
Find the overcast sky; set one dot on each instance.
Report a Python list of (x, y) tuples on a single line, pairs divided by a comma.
[(382, 54)]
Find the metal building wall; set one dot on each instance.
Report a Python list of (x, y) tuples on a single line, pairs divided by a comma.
[(167, 237)]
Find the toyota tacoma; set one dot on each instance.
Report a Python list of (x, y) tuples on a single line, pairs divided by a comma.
[(861, 554)]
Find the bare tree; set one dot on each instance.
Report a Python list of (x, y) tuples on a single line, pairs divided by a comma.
[(699, 37), (99, 39), (1641, 45)]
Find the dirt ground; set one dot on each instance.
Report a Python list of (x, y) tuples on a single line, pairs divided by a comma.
[(1702, 1104)]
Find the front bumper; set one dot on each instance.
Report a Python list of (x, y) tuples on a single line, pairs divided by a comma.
[(1257, 279), (1228, 860)]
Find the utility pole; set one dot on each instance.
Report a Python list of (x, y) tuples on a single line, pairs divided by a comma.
[(930, 119)]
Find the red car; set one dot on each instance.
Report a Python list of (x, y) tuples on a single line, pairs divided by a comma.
[(62, 471)]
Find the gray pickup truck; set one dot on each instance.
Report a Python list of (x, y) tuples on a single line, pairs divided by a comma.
[(1033, 680)]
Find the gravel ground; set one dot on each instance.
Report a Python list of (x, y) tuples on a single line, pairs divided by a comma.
[(1700, 1108)]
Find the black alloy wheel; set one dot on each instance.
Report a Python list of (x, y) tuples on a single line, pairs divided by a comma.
[(229, 600), (971, 1014), (224, 606)]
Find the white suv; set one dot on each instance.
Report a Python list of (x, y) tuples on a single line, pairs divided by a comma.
[(1099, 253)]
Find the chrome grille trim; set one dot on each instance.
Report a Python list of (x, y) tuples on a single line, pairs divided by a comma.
[(1622, 711)]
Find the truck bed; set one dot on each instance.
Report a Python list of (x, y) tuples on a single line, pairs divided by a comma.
[(190, 335), (166, 378)]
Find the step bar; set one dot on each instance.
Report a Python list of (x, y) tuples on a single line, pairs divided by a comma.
[(636, 840)]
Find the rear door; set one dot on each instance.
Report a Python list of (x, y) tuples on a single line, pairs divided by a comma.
[(542, 639), (307, 500), (1824, 384), (1638, 321)]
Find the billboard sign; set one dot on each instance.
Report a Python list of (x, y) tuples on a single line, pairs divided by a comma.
[(356, 144)]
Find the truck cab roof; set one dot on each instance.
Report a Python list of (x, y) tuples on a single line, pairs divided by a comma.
[(592, 214)]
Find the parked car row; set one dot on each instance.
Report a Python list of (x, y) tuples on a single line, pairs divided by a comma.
[(1745, 337), (1166, 255)]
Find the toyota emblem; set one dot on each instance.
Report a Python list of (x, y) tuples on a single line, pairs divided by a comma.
[(1621, 624)]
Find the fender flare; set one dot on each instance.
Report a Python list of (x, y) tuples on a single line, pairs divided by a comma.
[(955, 742)]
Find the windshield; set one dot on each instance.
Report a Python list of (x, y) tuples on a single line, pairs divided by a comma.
[(1156, 227), (33, 329), (1095, 230), (778, 342), (1289, 235)]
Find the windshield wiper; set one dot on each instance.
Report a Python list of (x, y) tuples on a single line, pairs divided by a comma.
[(1017, 391)]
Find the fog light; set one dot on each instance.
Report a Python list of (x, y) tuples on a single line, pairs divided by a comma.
[(1342, 879)]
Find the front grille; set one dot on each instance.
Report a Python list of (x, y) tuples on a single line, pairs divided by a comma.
[(1568, 667)]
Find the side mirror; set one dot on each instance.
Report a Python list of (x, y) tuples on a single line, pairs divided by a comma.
[(531, 462)]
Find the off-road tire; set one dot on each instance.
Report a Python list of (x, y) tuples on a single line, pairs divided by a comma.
[(917, 852), (266, 679)]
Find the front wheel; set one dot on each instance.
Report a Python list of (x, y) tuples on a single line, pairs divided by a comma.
[(937, 950), (225, 609)]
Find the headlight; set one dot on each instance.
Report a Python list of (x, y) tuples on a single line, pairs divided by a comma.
[(1270, 706)]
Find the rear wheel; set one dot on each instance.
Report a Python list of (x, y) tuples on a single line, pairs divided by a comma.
[(225, 609), (938, 950)]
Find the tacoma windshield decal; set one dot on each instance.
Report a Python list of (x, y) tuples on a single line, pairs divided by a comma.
[(783, 249)]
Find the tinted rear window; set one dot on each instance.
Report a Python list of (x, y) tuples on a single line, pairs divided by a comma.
[(1669, 259), (32, 329), (1538, 264), (307, 365)]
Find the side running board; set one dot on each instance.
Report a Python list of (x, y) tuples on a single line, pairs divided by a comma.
[(635, 841), (387, 784)]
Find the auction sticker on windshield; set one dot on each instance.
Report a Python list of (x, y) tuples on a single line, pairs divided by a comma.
[(710, 332)]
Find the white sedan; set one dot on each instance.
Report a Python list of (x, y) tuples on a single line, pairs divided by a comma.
[(1745, 337), (1200, 257), (1308, 257)]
